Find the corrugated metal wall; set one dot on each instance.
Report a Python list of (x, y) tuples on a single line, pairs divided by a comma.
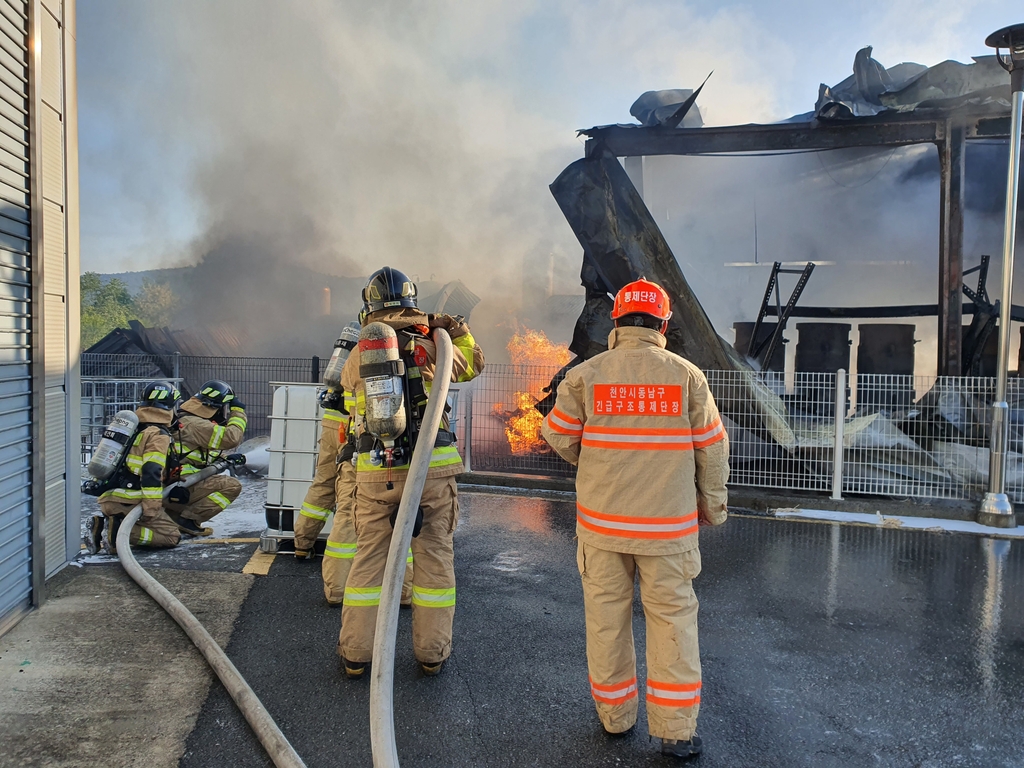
[(39, 329)]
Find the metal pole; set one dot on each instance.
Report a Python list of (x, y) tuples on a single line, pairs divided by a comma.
[(382, 669), (468, 430), (177, 368), (837, 447), (996, 509)]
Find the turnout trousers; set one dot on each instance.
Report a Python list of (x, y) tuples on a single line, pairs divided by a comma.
[(320, 498), (341, 544), (154, 529), (433, 582), (673, 659), (207, 498)]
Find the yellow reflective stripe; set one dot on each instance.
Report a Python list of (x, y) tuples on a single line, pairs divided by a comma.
[(189, 469), (134, 463), (123, 493), (235, 421), (344, 550), (444, 456), (408, 558), (219, 499), (362, 596), (145, 535), (217, 437), (153, 493), (466, 344), (314, 513), (349, 401), (433, 598), (414, 373), (157, 457)]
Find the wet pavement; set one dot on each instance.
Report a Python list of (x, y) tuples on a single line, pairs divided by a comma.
[(821, 645)]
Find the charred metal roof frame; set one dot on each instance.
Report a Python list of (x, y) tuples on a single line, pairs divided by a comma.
[(949, 129)]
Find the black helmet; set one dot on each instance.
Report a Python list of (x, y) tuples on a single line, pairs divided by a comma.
[(215, 394), (388, 288), (160, 394)]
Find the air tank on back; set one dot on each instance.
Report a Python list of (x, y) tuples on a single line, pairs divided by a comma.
[(342, 348), (382, 370), (113, 445)]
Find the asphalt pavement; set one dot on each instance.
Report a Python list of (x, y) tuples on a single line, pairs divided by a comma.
[(822, 645)]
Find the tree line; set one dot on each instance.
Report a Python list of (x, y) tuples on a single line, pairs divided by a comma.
[(109, 304)]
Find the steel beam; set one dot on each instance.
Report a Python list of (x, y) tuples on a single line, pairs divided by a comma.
[(951, 247)]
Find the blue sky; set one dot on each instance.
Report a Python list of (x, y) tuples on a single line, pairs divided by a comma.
[(201, 119)]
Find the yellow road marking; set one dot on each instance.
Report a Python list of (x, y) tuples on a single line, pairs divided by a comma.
[(259, 564)]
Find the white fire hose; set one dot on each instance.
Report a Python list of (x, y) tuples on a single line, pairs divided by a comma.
[(382, 669), (263, 725)]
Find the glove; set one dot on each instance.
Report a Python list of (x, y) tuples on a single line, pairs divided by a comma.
[(417, 526), (179, 495), (238, 459), (456, 326)]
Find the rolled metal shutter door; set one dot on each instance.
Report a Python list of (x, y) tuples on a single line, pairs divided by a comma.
[(15, 315)]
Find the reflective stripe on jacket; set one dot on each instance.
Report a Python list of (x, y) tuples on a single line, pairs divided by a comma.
[(653, 456), (199, 442), (445, 460)]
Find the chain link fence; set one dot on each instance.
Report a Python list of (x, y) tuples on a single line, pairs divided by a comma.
[(113, 382)]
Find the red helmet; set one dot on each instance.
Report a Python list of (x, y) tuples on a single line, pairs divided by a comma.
[(642, 297)]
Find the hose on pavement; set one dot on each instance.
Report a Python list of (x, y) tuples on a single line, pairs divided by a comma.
[(263, 725)]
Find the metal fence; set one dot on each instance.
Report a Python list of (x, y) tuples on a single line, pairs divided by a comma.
[(899, 436), (110, 382)]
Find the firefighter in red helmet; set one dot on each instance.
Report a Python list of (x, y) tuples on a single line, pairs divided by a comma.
[(643, 429)]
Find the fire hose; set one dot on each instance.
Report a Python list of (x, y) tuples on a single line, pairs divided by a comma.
[(382, 669), (263, 725)]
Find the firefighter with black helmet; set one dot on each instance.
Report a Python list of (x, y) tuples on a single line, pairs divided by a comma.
[(210, 425), (390, 298), (652, 454), (141, 475)]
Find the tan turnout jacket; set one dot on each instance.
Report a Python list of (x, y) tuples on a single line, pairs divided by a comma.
[(146, 461), (653, 456), (467, 363), (200, 441)]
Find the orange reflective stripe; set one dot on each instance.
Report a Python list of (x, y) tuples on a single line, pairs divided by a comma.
[(632, 527), (637, 438), (709, 435), (561, 422), (673, 694), (614, 694)]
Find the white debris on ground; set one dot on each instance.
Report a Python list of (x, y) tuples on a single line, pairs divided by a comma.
[(930, 524), (245, 516)]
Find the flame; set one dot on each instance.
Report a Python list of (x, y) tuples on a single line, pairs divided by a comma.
[(535, 358)]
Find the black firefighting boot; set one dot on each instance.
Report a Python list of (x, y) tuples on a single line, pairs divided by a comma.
[(354, 669), (684, 750), (94, 541), (432, 670), (191, 527), (110, 535)]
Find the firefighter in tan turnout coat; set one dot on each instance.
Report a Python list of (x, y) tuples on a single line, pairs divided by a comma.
[(211, 424), (645, 433), (390, 297)]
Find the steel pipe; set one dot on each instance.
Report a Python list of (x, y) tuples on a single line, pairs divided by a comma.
[(262, 724), (382, 669), (996, 509)]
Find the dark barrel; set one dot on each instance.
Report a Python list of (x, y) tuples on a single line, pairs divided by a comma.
[(885, 365)]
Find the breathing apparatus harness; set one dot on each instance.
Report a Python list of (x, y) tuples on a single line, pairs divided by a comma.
[(121, 476)]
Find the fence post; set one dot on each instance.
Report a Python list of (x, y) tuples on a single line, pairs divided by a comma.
[(468, 430), (314, 375), (837, 449), (177, 367)]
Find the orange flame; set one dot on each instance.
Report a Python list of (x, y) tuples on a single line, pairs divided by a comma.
[(536, 358)]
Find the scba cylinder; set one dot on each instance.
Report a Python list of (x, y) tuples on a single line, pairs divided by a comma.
[(342, 347), (382, 372), (113, 445)]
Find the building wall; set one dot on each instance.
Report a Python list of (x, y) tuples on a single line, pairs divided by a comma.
[(39, 301)]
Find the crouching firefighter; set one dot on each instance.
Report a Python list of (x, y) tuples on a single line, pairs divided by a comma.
[(390, 374), (129, 467), (209, 426), (643, 428)]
